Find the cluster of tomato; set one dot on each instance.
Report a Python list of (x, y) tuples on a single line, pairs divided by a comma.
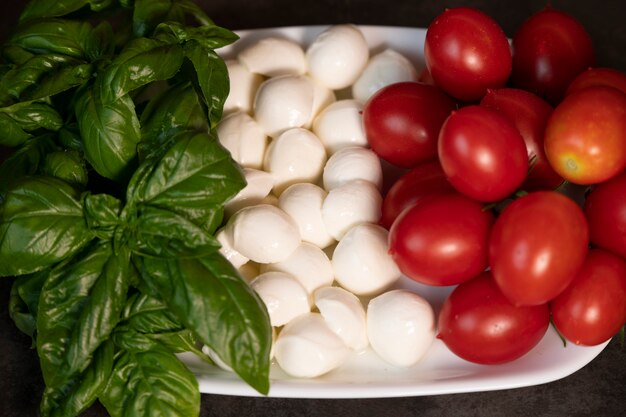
[(515, 183)]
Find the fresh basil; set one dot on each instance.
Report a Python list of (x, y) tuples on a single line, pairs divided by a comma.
[(46, 8)]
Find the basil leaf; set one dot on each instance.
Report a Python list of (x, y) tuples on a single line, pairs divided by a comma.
[(69, 137), (54, 8), (102, 212), (147, 314), (147, 14), (15, 55), (24, 301), (110, 133), (31, 116), (41, 223), (210, 298), (151, 383), (209, 36), (11, 133), (191, 8), (68, 166)]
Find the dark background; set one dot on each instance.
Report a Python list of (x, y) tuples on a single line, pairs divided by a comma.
[(599, 389)]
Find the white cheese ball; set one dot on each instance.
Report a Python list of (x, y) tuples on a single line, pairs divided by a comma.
[(274, 56), (352, 203), (352, 163), (322, 98), (307, 348), (337, 56), (340, 125), (385, 68), (297, 155), (400, 327), (308, 264), (225, 238), (243, 87), (303, 203), (258, 186), (263, 233), (362, 263), (284, 102), (244, 138), (284, 297), (249, 270), (344, 314)]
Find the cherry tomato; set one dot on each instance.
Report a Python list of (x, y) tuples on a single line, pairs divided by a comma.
[(594, 77), (529, 114), (478, 323), (467, 52), (605, 209), (537, 245), (586, 135), (550, 49), (592, 308), (402, 121), (442, 239), (482, 153), (424, 179)]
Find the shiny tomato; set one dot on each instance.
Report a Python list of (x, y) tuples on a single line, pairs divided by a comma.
[(529, 114), (550, 49), (605, 209), (537, 245), (592, 308), (482, 153), (424, 179), (442, 239), (594, 77), (478, 323), (402, 122), (585, 139), (467, 52)]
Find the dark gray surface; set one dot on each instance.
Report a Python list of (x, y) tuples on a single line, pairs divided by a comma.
[(599, 389)]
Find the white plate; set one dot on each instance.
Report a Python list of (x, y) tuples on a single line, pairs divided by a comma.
[(440, 371)]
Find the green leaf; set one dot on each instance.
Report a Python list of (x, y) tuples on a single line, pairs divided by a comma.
[(191, 8), (210, 298), (41, 223), (147, 14), (102, 212), (54, 8), (31, 116), (15, 55), (24, 301), (110, 133), (147, 314), (11, 133), (151, 383), (209, 36), (68, 166)]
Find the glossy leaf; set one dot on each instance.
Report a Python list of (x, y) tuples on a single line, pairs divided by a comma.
[(68, 166), (24, 301), (147, 14), (102, 212), (54, 8), (147, 314), (209, 36)]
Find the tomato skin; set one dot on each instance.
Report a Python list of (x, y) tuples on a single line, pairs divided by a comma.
[(529, 113), (537, 245), (585, 139), (467, 52), (592, 308), (442, 239), (402, 122), (482, 153), (599, 76), (605, 209), (478, 323), (550, 49), (424, 179)]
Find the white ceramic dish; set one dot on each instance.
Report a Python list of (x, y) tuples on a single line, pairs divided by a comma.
[(440, 371)]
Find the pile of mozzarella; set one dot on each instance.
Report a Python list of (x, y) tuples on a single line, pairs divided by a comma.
[(304, 230)]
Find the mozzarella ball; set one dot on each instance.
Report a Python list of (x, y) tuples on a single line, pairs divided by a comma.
[(284, 297), (306, 347), (303, 203), (274, 56), (344, 314), (297, 155), (361, 260), (224, 237), (249, 270), (354, 202), (284, 102), (244, 138), (385, 68), (322, 98), (338, 56), (400, 327), (308, 264), (263, 233), (258, 186), (340, 125), (352, 163), (243, 87)]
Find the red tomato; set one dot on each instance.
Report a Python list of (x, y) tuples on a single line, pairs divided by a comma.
[(605, 209), (585, 139), (442, 239), (467, 52), (478, 323), (550, 49), (482, 153), (537, 245), (594, 77), (422, 180), (592, 308), (402, 122), (529, 114)]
